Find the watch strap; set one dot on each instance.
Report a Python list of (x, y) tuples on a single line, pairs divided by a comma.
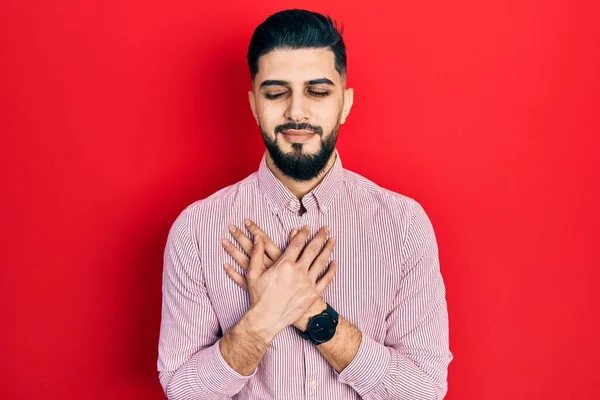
[(332, 313)]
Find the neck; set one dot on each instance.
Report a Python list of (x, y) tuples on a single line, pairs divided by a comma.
[(299, 189)]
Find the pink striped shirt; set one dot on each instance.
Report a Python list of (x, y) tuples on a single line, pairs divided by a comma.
[(388, 285)]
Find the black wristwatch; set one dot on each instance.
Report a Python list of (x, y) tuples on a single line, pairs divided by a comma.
[(321, 327)]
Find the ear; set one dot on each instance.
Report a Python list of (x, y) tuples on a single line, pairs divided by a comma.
[(348, 101), (252, 100)]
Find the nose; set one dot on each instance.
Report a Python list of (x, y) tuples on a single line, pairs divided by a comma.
[(297, 109)]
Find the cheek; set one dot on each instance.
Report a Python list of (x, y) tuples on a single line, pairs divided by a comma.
[(270, 115), (326, 115)]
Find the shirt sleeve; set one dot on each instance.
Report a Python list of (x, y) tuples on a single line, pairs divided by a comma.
[(190, 363), (413, 361)]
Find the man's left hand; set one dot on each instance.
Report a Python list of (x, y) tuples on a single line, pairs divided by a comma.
[(272, 254)]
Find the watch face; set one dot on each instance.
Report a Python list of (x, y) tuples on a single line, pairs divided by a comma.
[(321, 328)]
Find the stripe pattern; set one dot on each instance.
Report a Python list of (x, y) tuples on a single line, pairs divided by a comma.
[(388, 285)]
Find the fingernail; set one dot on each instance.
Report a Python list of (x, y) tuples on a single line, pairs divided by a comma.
[(256, 239), (326, 229), (231, 228), (225, 242), (306, 227), (247, 222)]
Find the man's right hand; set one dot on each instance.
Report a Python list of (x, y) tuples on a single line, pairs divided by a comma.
[(282, 293)]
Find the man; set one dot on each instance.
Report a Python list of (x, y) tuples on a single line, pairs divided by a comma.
[(253, 311)]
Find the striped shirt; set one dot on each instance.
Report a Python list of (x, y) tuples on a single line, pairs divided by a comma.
[(388, 284)]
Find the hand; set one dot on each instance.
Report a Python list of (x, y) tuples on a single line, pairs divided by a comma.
[(272, 254), (272, 251)]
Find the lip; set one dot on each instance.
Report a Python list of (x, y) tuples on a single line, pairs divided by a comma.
[(301, 136)]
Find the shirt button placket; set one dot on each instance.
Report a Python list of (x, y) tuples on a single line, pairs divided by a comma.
[(312, 370)]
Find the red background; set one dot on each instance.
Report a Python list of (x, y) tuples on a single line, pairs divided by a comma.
[(115, 115)]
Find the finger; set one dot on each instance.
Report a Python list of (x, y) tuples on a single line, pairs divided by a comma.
[(327, 278), (241, 238), (273, 251), (296, 244), (294, 232), (267, 261), (313, 248), (321, 261), (237, 278), (241, 258), (257, 258)]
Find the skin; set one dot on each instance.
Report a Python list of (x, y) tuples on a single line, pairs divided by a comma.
[(271, 255), (279, 296), (342, 348), (282, 284)]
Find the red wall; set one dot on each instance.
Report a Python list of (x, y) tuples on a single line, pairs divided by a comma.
[(115, 115)]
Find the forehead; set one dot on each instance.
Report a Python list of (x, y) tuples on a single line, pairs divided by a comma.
[(298, 65)]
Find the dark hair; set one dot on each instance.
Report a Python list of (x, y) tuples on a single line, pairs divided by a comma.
[(296, 29)]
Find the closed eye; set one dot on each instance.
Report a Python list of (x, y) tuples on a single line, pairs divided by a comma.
[(317, 93), (314, 93), (273, 96)]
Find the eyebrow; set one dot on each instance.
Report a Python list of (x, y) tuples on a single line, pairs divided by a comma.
[(275, 82)]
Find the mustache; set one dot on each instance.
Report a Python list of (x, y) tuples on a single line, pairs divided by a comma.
[(303, 126)]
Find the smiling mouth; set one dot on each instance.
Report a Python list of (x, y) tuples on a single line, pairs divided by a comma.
[(293, 132), (292, 135)]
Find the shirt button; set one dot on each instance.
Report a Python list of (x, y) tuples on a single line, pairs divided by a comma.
[(292, 202), (313, 384), (351, 383)]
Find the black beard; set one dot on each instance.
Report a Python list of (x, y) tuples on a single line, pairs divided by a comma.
[(297, 165)]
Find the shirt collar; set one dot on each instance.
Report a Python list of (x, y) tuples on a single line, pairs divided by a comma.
[(280, 196)]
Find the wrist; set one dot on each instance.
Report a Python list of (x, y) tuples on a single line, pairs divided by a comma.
[(254, 323), (317, 308)]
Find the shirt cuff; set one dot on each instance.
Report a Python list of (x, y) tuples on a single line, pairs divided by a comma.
[(368, 368), (217, 375)]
